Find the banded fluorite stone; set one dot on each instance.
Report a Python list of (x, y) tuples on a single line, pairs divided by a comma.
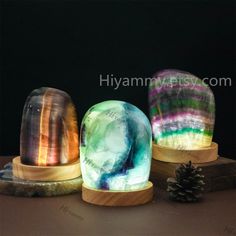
[(49, 132), (182, 110), (115, 147)]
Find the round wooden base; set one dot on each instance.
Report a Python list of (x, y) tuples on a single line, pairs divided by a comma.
[(202, 155), (45, 173), (118, 198)]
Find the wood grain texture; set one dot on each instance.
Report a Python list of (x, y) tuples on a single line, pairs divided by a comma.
[(219, 174), (118, 198), (45, 173), (203, 155)]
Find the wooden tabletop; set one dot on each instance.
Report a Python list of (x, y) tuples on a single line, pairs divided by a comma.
[(70, 216)]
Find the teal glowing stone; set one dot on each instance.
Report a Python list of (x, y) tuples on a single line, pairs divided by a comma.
[(115, 147)]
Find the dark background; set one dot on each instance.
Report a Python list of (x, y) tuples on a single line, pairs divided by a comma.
[(68, 44)]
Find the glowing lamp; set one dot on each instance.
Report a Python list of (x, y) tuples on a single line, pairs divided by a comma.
[(49, 145), (115, 154), (182, 111)]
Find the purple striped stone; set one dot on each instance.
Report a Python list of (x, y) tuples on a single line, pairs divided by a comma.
[(182, 110)]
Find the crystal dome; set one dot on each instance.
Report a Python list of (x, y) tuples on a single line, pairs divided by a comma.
[(182, 110), (49, 132), (115, 147)]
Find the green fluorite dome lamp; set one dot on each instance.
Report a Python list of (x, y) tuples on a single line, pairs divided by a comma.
[(115, 154), (182, 110)]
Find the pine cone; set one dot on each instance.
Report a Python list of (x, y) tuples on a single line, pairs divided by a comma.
[(188, 184)]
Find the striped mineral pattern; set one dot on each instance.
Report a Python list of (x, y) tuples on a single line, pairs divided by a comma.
[(115, 148), (49, 132), (182, 110)]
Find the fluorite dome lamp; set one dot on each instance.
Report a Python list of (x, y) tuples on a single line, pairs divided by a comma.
[(49, 145), (115, 154), (182, 111)]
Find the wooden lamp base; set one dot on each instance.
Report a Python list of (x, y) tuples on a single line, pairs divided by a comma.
[(171, 155), (45, 173), (118, 198)]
